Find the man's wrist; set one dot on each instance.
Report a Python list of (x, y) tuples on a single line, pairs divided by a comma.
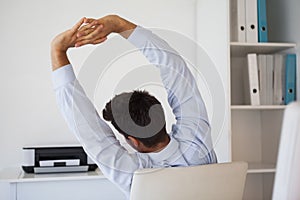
[(122, 26), (59, 58)]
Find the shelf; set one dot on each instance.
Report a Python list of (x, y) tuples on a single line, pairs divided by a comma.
[(242, 49), (262, 107), (261, 168)]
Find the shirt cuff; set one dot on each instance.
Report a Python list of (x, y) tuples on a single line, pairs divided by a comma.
[(63, 76), (139, 36)]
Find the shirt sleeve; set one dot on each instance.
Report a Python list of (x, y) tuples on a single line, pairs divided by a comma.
[(93, 133), (183, 94)]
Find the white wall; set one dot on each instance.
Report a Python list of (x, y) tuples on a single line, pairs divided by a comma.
[(28, 110)]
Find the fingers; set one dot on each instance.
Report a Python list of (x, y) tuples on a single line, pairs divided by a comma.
[(99, 40), (92, 33), (88, 25), (78, 24), (88, 20), (90, 41), (87, 29)]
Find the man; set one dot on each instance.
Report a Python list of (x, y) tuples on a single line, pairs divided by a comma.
[(138, 116)]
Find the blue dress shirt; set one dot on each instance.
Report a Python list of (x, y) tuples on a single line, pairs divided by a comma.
[(190, 142)]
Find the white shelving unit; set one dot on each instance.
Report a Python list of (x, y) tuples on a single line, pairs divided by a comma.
[(255, 130)]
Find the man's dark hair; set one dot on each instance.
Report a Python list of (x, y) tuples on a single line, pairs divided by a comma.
[(140, 103)]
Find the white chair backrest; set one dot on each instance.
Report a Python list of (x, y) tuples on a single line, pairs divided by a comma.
[(214, 181), (287, 178)]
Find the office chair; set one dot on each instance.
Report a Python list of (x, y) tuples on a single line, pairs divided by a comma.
[(287, 178), (214, 181)]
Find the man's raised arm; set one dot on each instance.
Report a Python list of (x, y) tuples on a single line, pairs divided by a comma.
[(183, 94), (82, 118), (61, 43)]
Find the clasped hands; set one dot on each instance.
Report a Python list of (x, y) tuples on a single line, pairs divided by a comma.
[(91, 31)]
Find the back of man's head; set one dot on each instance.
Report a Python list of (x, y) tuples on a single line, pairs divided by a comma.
[(137, 114)]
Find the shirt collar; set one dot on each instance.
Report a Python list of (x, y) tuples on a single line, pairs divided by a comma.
[(165, 153)]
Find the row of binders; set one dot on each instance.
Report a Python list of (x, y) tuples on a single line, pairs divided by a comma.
[(249, 21), (270, 79)]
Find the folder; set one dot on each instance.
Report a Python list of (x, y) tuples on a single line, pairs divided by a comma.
[(269, 77), (278, 93), (262, 21), (238, 21), (290, 78), (251, 81), (262, 73), (251, 21)]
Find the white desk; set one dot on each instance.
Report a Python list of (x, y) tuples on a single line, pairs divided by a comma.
[(17, 185)]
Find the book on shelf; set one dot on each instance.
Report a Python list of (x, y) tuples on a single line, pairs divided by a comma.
[(262, 21), (249, 21), (251, 81), (266, 75), (275, 77), (279, 79), (290, 78), (269, 79), (238, 21), (262, 72)]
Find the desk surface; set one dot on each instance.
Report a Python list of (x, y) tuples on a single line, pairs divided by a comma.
[(14, 175)]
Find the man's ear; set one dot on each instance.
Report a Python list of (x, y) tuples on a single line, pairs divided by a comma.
[(135, 142)]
